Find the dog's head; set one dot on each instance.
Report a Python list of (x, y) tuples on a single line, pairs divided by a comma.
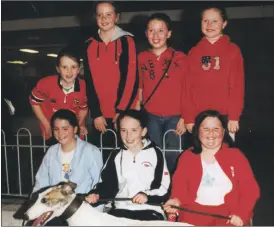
[(51, 203)]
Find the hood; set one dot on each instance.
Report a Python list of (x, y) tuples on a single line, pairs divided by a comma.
[(118, 33), (167, 53), (223, 41)]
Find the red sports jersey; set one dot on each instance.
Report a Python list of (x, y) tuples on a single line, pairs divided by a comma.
[(216, 79), (49, 94), (168, 99)]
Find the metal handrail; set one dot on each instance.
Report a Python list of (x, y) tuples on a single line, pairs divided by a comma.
[(24, 132)]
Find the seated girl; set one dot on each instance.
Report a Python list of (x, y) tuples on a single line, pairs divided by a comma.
[(137, 170), (71, 159), (213, 177)]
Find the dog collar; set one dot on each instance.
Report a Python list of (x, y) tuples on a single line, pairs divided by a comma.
[(72, 208)]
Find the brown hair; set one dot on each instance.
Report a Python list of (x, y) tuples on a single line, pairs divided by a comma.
[(221, 10)]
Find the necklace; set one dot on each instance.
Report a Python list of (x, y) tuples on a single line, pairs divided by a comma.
[(135, 153), (67, 89), (64, 88)]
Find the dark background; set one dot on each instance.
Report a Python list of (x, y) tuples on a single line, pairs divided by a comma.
[(254, 36)]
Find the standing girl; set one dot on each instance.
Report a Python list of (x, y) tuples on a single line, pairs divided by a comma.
[(65, 91), (165, 107), (216, 78), (110, 69), (137, 170)]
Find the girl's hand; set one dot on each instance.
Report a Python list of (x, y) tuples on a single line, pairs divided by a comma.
[(233, 126), (138, 105), (92, 198), (100, 124), (115, 119), (235, 220), (140, 100), (180, 129), (83, 130), (48, 130), (172, 202), (140, 198), (189, 127)]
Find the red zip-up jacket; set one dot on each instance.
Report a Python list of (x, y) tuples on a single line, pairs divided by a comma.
[(216, 79), (168, 99), (245, 191), (110, 74)]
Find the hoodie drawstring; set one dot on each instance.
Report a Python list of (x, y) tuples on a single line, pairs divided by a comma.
[(98, 50), (116, 52)]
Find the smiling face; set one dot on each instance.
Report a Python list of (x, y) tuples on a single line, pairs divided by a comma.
[(131, 133), (68, 70), (106, 16), (64, 132), (157, 34), (212, 24), (211, 133)]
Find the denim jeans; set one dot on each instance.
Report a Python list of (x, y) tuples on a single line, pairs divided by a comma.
[(157, 126)]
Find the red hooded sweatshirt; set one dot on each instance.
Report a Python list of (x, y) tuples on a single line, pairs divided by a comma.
[(168, 98), (110, 74), (216, 79)]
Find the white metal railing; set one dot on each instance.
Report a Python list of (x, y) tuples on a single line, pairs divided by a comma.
[(23, 133)]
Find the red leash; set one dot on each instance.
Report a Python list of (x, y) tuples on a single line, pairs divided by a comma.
[(201, 213)]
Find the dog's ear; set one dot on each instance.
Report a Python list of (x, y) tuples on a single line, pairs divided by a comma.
[(68, 188), (72, 185)]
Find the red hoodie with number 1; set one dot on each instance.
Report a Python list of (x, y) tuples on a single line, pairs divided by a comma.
[(215, 79)]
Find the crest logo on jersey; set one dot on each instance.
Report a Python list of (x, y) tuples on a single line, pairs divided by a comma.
[(53, 100), (147, 164)]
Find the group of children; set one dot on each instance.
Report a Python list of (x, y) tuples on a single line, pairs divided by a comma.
[(172, 88)]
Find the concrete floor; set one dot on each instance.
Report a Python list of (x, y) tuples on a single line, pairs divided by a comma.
[(8, 208)]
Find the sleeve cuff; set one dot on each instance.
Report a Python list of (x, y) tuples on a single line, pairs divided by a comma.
[(94, 115), (233, 117), (188, 120), (245, 216), (118, 111)]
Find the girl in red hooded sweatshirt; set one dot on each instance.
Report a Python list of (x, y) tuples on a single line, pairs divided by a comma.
[(110, 71), (216, 78)]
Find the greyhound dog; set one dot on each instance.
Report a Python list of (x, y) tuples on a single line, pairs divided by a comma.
[(61, 201)]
